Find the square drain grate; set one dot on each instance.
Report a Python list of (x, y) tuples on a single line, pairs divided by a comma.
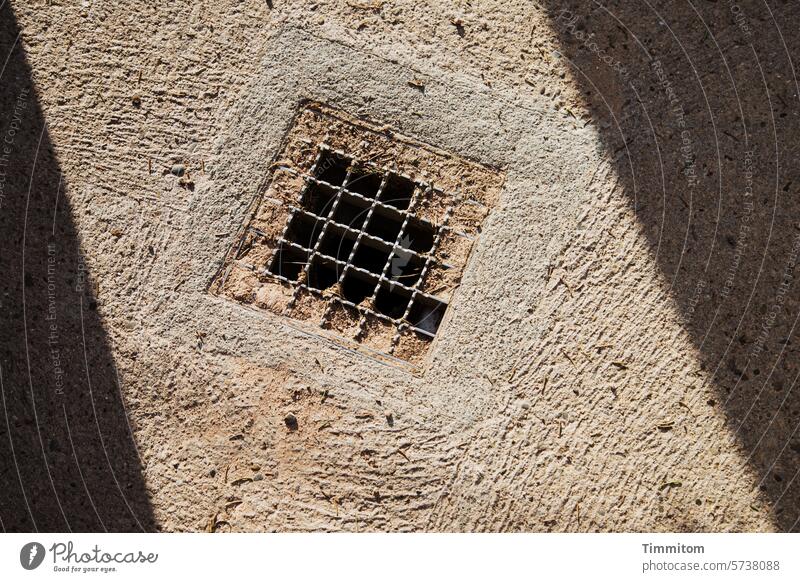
[(354, 238), (362, 232)]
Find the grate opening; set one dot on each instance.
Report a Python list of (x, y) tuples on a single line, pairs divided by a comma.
[(392, 300), (318, 198), (426, 314), (365, 183), (337, 243), (288, 262), (356, 287), (398, 192), (351, 211), (370, 258), (419, 236), (322, 274), (405, 267), (385, 225), (332, 167), (304, 230)]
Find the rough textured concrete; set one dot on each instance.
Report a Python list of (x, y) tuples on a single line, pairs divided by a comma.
[(572, 388)]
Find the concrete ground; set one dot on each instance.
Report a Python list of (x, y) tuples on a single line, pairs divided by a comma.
[(620, 354)]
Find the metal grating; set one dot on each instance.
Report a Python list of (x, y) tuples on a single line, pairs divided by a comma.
[(353, 237), (361, 231)]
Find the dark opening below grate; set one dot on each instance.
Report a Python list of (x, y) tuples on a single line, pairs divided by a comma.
[(355, 238)]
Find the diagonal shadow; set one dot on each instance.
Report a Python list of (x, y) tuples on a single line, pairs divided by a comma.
[(696, 103), (68, 461)]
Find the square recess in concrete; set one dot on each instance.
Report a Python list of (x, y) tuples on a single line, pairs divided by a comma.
[(362, 232)]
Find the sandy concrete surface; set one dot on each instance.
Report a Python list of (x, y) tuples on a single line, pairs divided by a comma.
[(619, 356)]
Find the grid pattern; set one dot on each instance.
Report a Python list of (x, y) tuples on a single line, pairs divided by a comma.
[(353, 238)]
